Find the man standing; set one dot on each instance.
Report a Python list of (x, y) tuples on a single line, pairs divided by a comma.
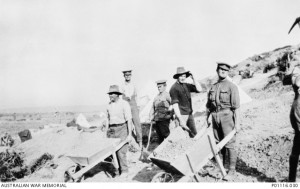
[(223, 103), (295, 122), (160, 112), (181, 100), (118, 124), (130, 95)]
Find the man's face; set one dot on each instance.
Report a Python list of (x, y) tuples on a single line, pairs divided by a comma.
[(113, 97), (182, 78), (161, 87), (222, 73), (127, 76)]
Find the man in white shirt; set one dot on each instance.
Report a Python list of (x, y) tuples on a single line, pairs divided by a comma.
[(118, 124), (130, 95)]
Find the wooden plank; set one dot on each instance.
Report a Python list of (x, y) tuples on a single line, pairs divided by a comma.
[(116, 163), (216, 154), (192, 169)]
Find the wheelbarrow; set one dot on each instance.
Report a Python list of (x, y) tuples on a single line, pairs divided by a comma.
[(187, 165), (86, 157)]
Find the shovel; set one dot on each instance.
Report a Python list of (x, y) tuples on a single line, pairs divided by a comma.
[(145, 153)]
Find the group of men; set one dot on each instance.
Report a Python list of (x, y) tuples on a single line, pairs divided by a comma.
[(222, 105)]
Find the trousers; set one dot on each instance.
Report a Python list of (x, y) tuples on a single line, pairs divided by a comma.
[(223, 124), (122, 133), (294, 157), (162, 129), (190, 123), (136, 120)]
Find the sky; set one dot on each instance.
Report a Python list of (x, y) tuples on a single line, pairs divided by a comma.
[(68, 52)]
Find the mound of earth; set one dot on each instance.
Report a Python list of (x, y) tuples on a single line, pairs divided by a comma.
[(269, 156)]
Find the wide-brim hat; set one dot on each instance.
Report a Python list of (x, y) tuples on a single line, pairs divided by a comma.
[(114, 89), (181, 71), (224, 66)]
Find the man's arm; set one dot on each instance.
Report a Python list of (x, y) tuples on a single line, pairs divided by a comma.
[(235, 103), (151, 113), (196, 83), (105, 123), (236, 115), (178, 115), (208, 110)]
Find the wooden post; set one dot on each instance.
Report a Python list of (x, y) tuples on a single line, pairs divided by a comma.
[(192, 169), (214, 150)]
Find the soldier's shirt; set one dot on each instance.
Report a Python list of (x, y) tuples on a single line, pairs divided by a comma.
[(161, 105), (129, 90), (223, 94), (118, 112)]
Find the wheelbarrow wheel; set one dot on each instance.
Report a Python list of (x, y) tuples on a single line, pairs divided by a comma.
[(70, 171), (163, 177)]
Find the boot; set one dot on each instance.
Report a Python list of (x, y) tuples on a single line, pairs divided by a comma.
[(293, 168), (232, 158), (232, 163), (224, 153)]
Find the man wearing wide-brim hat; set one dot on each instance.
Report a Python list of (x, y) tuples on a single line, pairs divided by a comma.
[(181, 99), (161, 111), (130, 95), (223, 103), (119, 124)]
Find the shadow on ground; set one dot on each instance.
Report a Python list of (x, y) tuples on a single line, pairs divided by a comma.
[(107, 168), (244, 169)]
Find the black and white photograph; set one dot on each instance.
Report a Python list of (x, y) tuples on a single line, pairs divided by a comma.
[(149, 91)]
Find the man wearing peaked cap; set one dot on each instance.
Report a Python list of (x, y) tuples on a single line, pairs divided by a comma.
[(118, 124), (181, 100), (223, 103), (224, 66), (160, 113), (130, 95)]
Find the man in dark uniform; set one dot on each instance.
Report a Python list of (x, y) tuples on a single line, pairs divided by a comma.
[(160, 112), (295, 122), (223, 102), (181, 100)]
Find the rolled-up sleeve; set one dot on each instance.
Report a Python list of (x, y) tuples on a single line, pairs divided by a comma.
[(235, 97), (174, 96), (127, 111)]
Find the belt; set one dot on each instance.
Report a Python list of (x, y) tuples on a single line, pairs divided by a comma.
[(116, 125), (220, 109)]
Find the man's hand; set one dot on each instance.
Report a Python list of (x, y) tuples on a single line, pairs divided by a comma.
[(191, 75), (208, 121)]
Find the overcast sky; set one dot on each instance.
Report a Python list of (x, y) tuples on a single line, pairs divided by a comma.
[(68, 52)]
